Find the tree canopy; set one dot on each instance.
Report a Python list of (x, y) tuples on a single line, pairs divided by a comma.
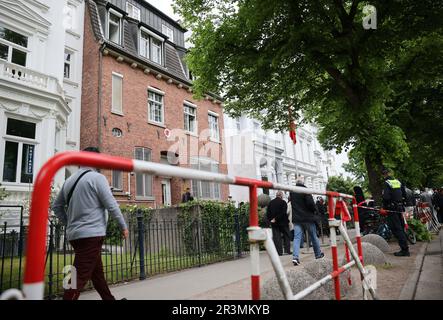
[(341, 184), (314, 58)]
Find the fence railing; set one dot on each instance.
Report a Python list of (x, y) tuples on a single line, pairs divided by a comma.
[(153, 247), (34, 280)]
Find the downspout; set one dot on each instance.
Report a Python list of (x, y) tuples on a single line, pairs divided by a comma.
[(99, 102)]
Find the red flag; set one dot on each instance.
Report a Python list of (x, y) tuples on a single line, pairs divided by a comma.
[(292, 134), (292, 127)]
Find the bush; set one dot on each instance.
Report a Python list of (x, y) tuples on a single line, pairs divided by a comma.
[(216, 222), (113, 232), (422, 234)]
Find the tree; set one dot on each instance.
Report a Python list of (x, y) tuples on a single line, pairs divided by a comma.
[(342, 185), (314, 58), (420, 116)]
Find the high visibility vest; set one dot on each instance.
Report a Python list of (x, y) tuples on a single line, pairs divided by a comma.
[(394, 183)]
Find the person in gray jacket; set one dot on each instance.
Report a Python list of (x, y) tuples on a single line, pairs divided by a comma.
[(81, 206)]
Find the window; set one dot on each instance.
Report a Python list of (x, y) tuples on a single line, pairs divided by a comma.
[(155, 106), (143, 181), (68, 61), (168, 32), (144, 45), (213, 126), (302, 151), (117, 180), (156, 50), (114, 27), (256, 126), (117, 93), (132, 11), (116, 132), (205, 189), (18, 165), (190, 117), (238, 125), (309, 153), (69, 21), (13, 46), (151, 46)]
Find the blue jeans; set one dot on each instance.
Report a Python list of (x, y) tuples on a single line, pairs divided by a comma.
[(298, 237)]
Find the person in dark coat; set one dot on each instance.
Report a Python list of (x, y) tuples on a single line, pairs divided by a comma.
[(278, 219), (187, 196), (394, 193), (303, 215), (438, 204), (322, 211)]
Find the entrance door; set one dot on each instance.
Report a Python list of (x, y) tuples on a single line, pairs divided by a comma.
[(166, 192)]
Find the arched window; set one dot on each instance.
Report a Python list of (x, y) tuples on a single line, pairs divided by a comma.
[(116, 132)]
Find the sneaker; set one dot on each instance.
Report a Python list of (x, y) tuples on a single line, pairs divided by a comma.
[(296, 262), (402, 254), (320, 256)]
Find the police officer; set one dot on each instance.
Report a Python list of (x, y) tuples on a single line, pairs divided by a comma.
[(393, 194)]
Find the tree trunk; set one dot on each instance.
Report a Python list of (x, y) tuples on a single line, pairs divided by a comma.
[(374, 175)]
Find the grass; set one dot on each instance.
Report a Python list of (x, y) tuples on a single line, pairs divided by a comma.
[(120, 267)]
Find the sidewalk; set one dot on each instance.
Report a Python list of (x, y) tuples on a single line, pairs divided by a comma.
[(430, 280), (417, 277), (186, 284)]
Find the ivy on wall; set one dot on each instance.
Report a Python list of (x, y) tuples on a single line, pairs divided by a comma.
[(210, 226), (113, 232)]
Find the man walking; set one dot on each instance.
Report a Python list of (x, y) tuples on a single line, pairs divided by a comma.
[(278, 219), (303, 215), (393, 194), (81, 206), (438, 203), (187, 196)]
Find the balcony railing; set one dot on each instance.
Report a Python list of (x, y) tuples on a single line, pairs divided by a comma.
[(32, 78)]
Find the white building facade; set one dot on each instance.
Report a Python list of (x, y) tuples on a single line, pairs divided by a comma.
[(41, 47), (265, 155)]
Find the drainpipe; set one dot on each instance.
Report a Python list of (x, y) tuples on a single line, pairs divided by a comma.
[(99, 102)]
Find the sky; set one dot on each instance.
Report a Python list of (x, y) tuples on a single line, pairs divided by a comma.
[(166, 7)]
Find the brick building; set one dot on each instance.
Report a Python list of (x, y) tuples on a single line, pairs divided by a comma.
[(137, 102)]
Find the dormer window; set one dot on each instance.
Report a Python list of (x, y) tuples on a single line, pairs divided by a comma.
[(151, 46), (156, 47), (114, 26), (133, 11), (168, 32)]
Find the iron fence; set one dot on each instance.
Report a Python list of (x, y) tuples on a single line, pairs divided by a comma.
[(154, 246)]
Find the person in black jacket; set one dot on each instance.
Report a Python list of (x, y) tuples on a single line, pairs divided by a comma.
[(394, 194), (303, 215), (438, 204), (187, 196), (278, 219)]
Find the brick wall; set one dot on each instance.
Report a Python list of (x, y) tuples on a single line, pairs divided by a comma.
[(137, 132), (88, 117)]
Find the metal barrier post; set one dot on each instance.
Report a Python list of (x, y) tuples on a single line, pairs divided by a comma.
[(254, 246), (50, 251), (333, 237), (141, 243), (237, 233), (357, 229), (3, 255)]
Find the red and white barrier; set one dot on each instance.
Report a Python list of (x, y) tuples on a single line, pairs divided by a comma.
[(33, 287)]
